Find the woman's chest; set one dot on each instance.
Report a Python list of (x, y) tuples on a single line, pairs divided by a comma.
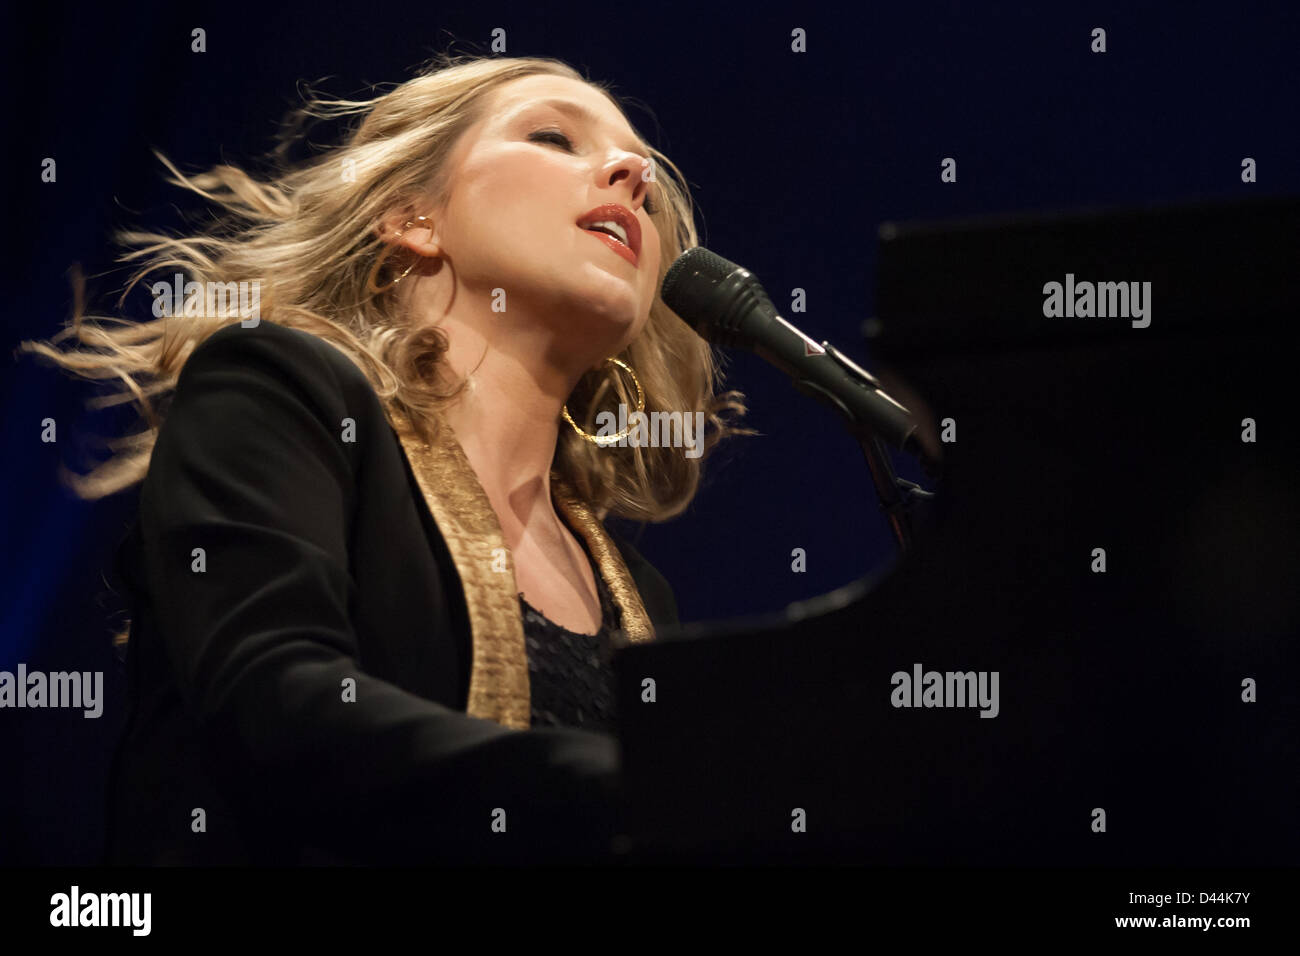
[(560, 584)]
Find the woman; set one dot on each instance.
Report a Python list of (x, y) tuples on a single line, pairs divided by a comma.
[(373, 599)]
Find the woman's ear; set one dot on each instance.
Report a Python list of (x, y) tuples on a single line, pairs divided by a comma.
[(415, 232)]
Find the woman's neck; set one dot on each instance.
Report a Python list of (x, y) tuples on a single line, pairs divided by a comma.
[(506, 419), (520, 370)]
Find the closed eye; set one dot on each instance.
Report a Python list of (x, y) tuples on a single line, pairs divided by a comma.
[(559, 139), (552, 136)]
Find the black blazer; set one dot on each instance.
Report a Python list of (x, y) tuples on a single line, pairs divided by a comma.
[(322, 562)]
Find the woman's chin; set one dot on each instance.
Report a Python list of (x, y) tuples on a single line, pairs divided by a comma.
[(608, 296)]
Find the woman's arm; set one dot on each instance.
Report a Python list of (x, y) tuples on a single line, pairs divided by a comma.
[(250, 467)]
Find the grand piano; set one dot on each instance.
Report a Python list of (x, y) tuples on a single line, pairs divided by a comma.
[(1113, 533)]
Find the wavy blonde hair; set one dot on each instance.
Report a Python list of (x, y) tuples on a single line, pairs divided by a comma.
[(309, 238)]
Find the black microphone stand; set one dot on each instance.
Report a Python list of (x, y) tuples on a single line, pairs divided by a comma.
[(889, 487)]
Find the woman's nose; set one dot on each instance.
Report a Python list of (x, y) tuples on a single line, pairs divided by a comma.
[(627, 169)]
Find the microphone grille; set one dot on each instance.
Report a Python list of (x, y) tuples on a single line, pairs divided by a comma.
[(694, 274)]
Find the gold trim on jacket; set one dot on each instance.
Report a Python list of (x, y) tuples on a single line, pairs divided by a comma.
[(499, 686)]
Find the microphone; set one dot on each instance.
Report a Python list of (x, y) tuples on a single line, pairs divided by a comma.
[(725, 303)]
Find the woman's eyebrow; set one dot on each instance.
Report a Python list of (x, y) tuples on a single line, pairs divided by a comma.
[(580, 112)]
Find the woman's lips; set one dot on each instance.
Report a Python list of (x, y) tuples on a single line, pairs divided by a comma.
[(626, 221), (614, 244)]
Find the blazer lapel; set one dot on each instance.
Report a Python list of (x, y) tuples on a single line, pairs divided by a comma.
[(499, 686), (622, 588)]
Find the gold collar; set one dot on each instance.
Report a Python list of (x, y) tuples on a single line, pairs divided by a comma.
[(499, 686)]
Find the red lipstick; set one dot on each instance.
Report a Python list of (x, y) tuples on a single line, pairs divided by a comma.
[(622, 217)]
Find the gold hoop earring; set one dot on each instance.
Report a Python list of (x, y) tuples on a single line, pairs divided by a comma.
[(374, 271), (606, 440)]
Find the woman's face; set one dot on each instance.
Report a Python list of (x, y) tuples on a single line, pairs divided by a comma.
[(548, 152)]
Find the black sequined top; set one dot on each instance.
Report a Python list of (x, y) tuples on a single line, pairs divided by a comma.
[(571, 680)]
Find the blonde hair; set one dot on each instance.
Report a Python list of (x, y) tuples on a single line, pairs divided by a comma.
[(308, 237)]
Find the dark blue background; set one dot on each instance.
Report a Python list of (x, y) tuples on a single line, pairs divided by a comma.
[(795, 160)]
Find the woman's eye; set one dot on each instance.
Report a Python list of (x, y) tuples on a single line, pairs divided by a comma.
[(559, 139), (553, 136)]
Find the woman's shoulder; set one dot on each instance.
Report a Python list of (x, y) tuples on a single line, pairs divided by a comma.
[(277, 359), (294, 350), (251, 401)]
